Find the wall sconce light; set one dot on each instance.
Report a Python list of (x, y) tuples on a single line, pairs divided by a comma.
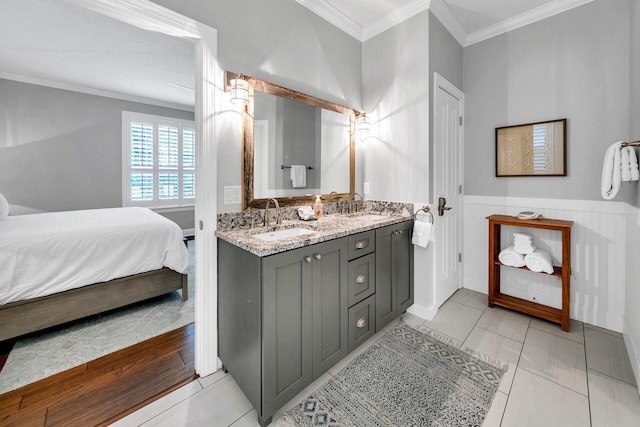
[(362, 124), (239, 90)]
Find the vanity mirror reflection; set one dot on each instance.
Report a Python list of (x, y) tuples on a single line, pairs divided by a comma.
[(295, 146)]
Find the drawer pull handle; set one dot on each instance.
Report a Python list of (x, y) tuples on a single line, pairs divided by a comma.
[(307, 259), (318, 257), (361, 244), (362, 322), (361, 278)]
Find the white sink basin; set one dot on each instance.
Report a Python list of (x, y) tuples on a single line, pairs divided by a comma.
[(283, 234), (371, 217)]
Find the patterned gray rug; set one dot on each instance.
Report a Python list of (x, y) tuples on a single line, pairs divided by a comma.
[(406, 378)]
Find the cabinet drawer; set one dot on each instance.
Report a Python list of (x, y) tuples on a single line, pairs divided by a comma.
[(362, 278), (362, 322), (362, 244)]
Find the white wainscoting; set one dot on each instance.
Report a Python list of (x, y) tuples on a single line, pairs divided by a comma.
[(598, 242), (631, 330)]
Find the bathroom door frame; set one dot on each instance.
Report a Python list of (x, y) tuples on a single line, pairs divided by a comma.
[(446, 283), (208, 99)]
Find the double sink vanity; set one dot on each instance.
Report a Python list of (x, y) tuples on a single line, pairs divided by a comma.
[(297, 297)]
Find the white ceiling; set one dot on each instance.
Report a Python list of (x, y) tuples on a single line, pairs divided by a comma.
[(54, 43)]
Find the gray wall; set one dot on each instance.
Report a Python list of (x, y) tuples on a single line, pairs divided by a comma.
[(634, 86), (62, 150), (445, 58), (281, 42), (573, 65), (396, 92)]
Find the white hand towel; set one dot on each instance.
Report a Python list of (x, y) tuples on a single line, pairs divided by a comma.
[(633, 164), (421, 233), (299, 176), (539, 261), (524, 249), (511, 258), (610, 183), (625, 166)]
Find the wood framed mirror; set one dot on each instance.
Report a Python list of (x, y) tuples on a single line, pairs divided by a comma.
[(284, 128), (532, 149)]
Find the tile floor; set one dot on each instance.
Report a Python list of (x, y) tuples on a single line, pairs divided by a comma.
[(580, 378)]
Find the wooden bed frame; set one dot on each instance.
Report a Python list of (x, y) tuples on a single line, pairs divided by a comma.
[(23, 317)]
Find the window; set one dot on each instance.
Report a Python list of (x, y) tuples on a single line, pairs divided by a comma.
[(158, 161)]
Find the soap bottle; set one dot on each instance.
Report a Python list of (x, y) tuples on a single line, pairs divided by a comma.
[(317, 207)]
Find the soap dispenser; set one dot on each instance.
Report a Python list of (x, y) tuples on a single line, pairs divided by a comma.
[(317, 207)]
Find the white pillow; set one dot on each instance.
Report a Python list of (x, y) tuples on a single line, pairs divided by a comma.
[(4, 207)]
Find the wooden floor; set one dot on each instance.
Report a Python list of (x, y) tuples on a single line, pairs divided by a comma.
[(107, 389)]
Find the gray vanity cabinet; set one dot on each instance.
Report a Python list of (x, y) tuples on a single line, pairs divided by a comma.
[(394, 272), (282, 319)]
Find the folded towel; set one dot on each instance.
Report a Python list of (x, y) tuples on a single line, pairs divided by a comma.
[(523, 236), (511, 258), (611, 173), (299, 176), (625, 166), (539, 261), (306, 213), (633, 164), (421, 233)]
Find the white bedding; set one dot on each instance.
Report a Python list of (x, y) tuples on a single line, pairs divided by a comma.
[(45, 253)]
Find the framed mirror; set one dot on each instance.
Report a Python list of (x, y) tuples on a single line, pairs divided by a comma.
[(295, 146), (532, 149)]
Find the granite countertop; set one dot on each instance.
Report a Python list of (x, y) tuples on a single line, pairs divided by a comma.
[(326, 228)]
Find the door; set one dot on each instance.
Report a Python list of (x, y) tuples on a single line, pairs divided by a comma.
[(447, 136)]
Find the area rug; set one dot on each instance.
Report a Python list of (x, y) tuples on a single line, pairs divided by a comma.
[(41, 355), (406, 378)]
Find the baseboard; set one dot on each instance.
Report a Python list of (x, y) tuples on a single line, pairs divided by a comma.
[(423, 312), (632, 352)]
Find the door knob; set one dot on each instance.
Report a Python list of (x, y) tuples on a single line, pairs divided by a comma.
[(441, 206), (307, 259), (318, 257)]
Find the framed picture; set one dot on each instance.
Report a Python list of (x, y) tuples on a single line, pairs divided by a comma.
[(532, 149)]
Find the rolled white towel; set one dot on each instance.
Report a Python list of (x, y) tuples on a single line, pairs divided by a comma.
[(539, 261), (511, 258), (524, 249)]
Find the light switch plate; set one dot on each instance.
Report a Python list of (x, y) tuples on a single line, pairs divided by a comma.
[(232, 195), (366, 189)]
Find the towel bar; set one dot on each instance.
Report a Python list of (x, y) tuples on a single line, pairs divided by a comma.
[(426, 209), (630, 144), (289, 167)]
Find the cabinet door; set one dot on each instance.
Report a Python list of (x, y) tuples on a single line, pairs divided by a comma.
[(286, 341), (394, 272), (330, 313), (385, 292), (403, 256)]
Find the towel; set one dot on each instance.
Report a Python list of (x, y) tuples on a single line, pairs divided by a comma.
[(633, 164), (299, 176), (611, 173), (523, 243), (539, 261), (511, 258), (421, 233), (625, 166)]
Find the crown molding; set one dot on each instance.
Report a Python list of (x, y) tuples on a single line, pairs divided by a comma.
[(92, 91), (334, 16), (534, 15), (441, 11), (396, 17)]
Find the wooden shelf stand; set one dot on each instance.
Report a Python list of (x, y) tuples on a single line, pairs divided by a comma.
[(560, 316)]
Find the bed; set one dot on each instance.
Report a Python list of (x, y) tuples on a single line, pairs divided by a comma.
[(61, 266)]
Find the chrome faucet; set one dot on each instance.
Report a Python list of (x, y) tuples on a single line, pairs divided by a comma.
[(266, 213), (353, 200)]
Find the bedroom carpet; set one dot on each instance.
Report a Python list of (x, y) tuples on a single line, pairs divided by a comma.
[(41, 355), (406, 378)]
